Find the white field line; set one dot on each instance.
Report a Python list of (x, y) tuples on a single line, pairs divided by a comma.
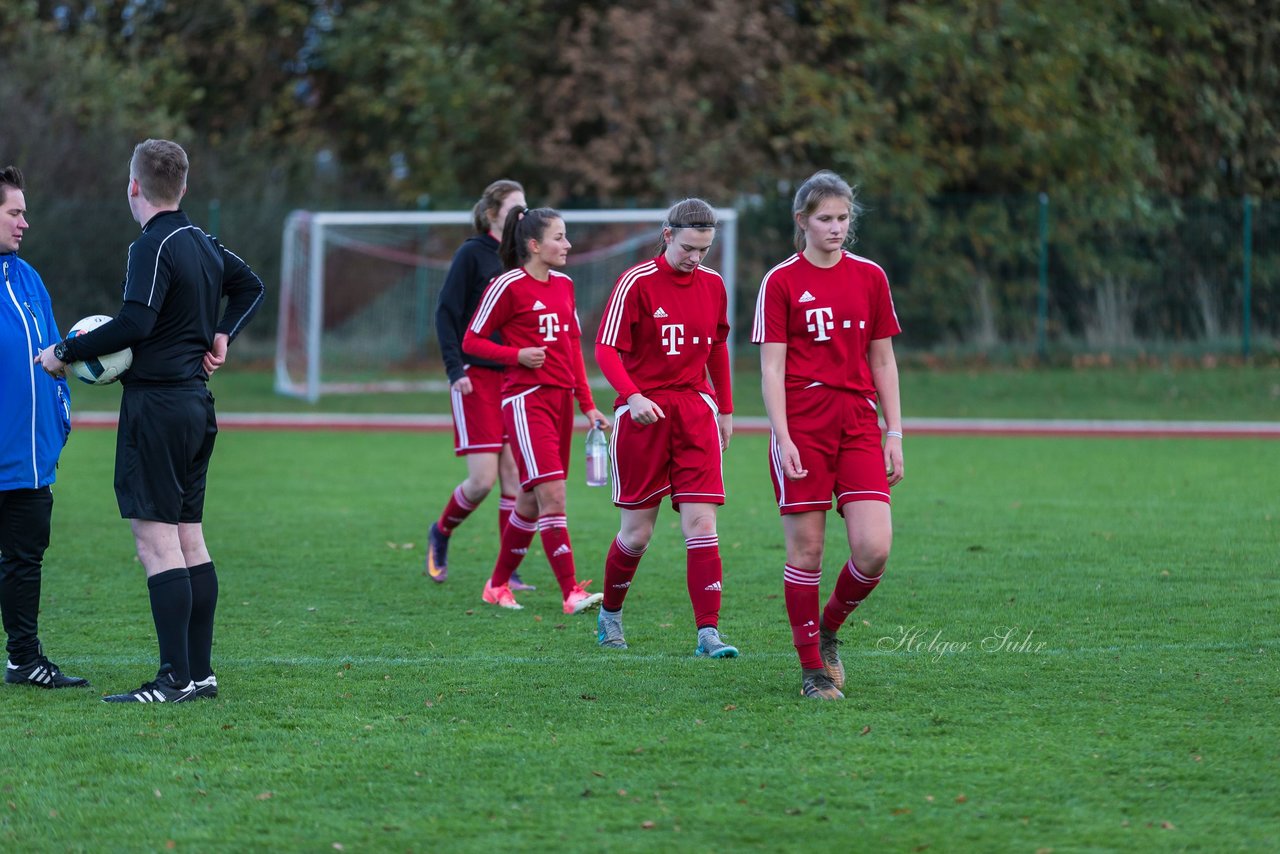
[(619, 657), (756, 424)]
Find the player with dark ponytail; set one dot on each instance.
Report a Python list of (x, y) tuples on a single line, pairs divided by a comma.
[(533, 309)]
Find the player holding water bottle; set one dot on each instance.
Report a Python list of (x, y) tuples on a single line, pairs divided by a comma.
[(664, 330), (532, 306)]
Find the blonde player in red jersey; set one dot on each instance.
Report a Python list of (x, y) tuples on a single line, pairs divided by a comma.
[(825, 322), (664, 329), (532, 307)]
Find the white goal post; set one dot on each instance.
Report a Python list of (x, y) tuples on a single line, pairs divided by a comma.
[(358, 290)]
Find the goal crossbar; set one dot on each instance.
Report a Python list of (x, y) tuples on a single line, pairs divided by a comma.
[(303, 260)]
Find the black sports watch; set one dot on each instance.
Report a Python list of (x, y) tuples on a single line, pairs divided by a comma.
[(60, 352)]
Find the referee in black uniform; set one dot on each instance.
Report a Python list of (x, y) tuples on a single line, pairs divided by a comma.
[(173, 291)]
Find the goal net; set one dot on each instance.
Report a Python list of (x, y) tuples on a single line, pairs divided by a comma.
[(359, 289)]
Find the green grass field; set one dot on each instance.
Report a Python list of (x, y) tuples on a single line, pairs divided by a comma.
[(1250, 392), (1074, 649)]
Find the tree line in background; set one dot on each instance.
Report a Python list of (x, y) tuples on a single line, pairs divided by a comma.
[(1146, 123)]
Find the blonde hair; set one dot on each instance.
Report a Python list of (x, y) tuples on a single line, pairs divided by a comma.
[(688, 213), (160, 168), (819, 187), (491, 202)]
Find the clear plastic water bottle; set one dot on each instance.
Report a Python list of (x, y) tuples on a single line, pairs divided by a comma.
[(597, 456)]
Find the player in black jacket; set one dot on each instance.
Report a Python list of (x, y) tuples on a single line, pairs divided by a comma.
[(475, 383), (173, 319)]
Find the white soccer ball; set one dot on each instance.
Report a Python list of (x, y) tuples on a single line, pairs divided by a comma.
[(102, 370)]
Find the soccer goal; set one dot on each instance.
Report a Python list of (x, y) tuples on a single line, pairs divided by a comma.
[(358, 290)]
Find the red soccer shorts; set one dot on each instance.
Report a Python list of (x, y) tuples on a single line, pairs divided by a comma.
[(838, 437), (477, 417), (679, 455), (540, 424)]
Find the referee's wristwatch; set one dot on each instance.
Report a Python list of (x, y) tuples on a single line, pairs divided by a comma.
[(60, 352)]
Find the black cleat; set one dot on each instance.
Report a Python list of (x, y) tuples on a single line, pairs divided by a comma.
[(829, 649), (163, 690), (42, 673), (207, 688), (817, 685), (437, 565)]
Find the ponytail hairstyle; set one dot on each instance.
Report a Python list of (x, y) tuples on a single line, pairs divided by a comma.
[(690, 213), (821, 186), (523, 225), (491, 202)]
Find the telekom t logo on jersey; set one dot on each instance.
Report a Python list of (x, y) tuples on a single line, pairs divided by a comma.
[(819, 321), (548, 325), (672, 335)]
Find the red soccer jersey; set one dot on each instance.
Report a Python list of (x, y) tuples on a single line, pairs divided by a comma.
[(530, 313), (663, 323), (828, 318)]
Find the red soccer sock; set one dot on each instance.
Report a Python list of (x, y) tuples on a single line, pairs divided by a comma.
[(554, 531), (515, 545), (800, 587), (703, 574), (506, 506), (619, 568), (851, 588), (458, 509)]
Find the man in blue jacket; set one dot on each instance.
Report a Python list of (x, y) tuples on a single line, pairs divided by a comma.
[(35, 419)]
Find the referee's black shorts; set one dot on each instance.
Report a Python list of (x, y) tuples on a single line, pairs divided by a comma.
[(163, 445)]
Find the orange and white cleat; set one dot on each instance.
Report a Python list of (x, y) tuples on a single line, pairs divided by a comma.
[(501, 596), (580, 600)]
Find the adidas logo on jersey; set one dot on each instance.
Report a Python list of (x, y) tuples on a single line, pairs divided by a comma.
[(538, 306), (563, 550), (659, 312), (807, 297), (715, 585)]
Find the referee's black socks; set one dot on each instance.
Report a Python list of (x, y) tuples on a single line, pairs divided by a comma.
[(171, 610), (204, 600)]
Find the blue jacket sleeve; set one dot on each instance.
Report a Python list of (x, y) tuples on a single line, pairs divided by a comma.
[(64, 388)]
